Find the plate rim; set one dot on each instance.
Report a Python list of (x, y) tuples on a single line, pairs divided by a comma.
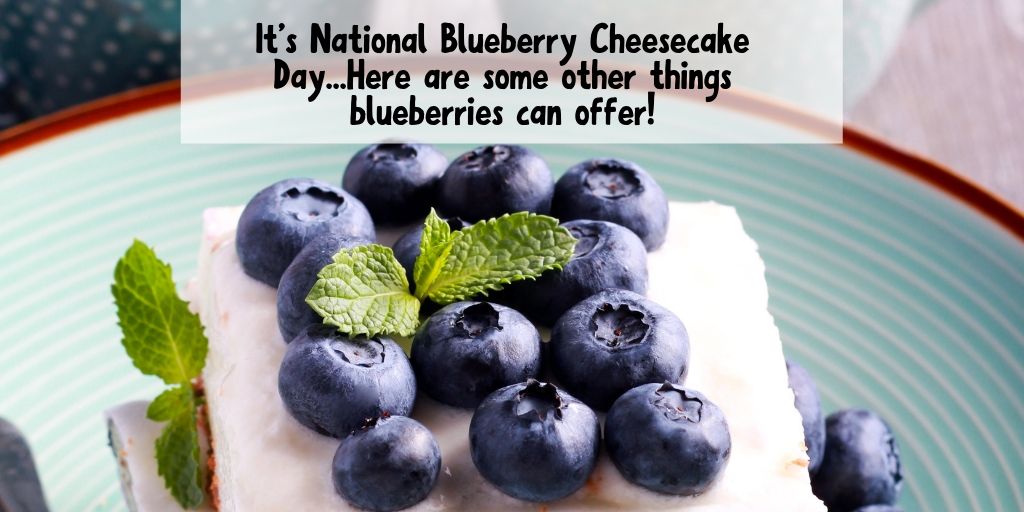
[(938, 176)]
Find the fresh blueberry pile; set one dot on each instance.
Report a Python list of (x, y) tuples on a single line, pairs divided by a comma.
[(611, 349)]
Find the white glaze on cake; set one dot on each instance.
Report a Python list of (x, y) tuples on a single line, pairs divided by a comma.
[(708, 273)]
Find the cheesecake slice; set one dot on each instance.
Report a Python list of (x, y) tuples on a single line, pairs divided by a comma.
[(708, 272)]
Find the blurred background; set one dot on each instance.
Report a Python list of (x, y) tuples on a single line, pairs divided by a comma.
[(941, 78)]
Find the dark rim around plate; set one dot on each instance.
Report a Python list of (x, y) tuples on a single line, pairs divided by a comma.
[(167, 93)]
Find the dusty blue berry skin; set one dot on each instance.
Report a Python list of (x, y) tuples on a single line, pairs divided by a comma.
[(407, 247), (808, 404), (606, 256), (397, 182), (467, 350), (490, 181), (617, 191), (332, 383), (282, 218), (390, 464), (20, 489), (668, 439), (534, 442), (293, 314), (615, 341), (861, 465)]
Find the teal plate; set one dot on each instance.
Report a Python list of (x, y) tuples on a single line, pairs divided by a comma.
[(897, 294)]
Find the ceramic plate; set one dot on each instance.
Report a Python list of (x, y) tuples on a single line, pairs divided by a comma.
[(898, 285)]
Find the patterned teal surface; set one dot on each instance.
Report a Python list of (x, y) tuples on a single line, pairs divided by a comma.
[(894, 295)]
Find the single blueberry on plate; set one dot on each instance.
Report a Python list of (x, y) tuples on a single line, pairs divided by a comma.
[(615, 341), (861, 465), (467, 350), (808, 403), (606, 256), (391, 463), (332, 383), (490, 181), (534, 442), (397, 182), (616, 191), (293, 314), (667, 439), (282, 218), (407, 247)]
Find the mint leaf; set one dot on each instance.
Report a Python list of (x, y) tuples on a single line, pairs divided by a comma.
[(435, 245), (365, 291), (489, 254), (178, 459), (162, 337), (172, 403)]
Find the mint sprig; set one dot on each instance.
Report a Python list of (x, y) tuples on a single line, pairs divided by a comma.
[(492, 253), (177, 448), (435, 246), (365, 291), (164, 339)]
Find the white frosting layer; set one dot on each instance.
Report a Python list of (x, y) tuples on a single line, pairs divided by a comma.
[(708, 273)]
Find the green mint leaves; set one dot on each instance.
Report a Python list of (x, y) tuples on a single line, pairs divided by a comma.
[(164, 339), (489, 254), (365, 291), (435, 246), (177, 449)]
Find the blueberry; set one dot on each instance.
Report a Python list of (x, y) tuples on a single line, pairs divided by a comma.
[(390, 464), (614, 341), (667, 439), (607, 256), (332, 383), (616, 191), (467, 350), (808, 403), (493, 180), (293, 314), (407, 247), (534, 442), (879, 508), (396, 182), (20, 488), (282, 218), (861, 465)]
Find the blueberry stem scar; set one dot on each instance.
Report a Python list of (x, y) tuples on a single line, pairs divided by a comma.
[(618, 325), (539, 398), (676, 404)]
